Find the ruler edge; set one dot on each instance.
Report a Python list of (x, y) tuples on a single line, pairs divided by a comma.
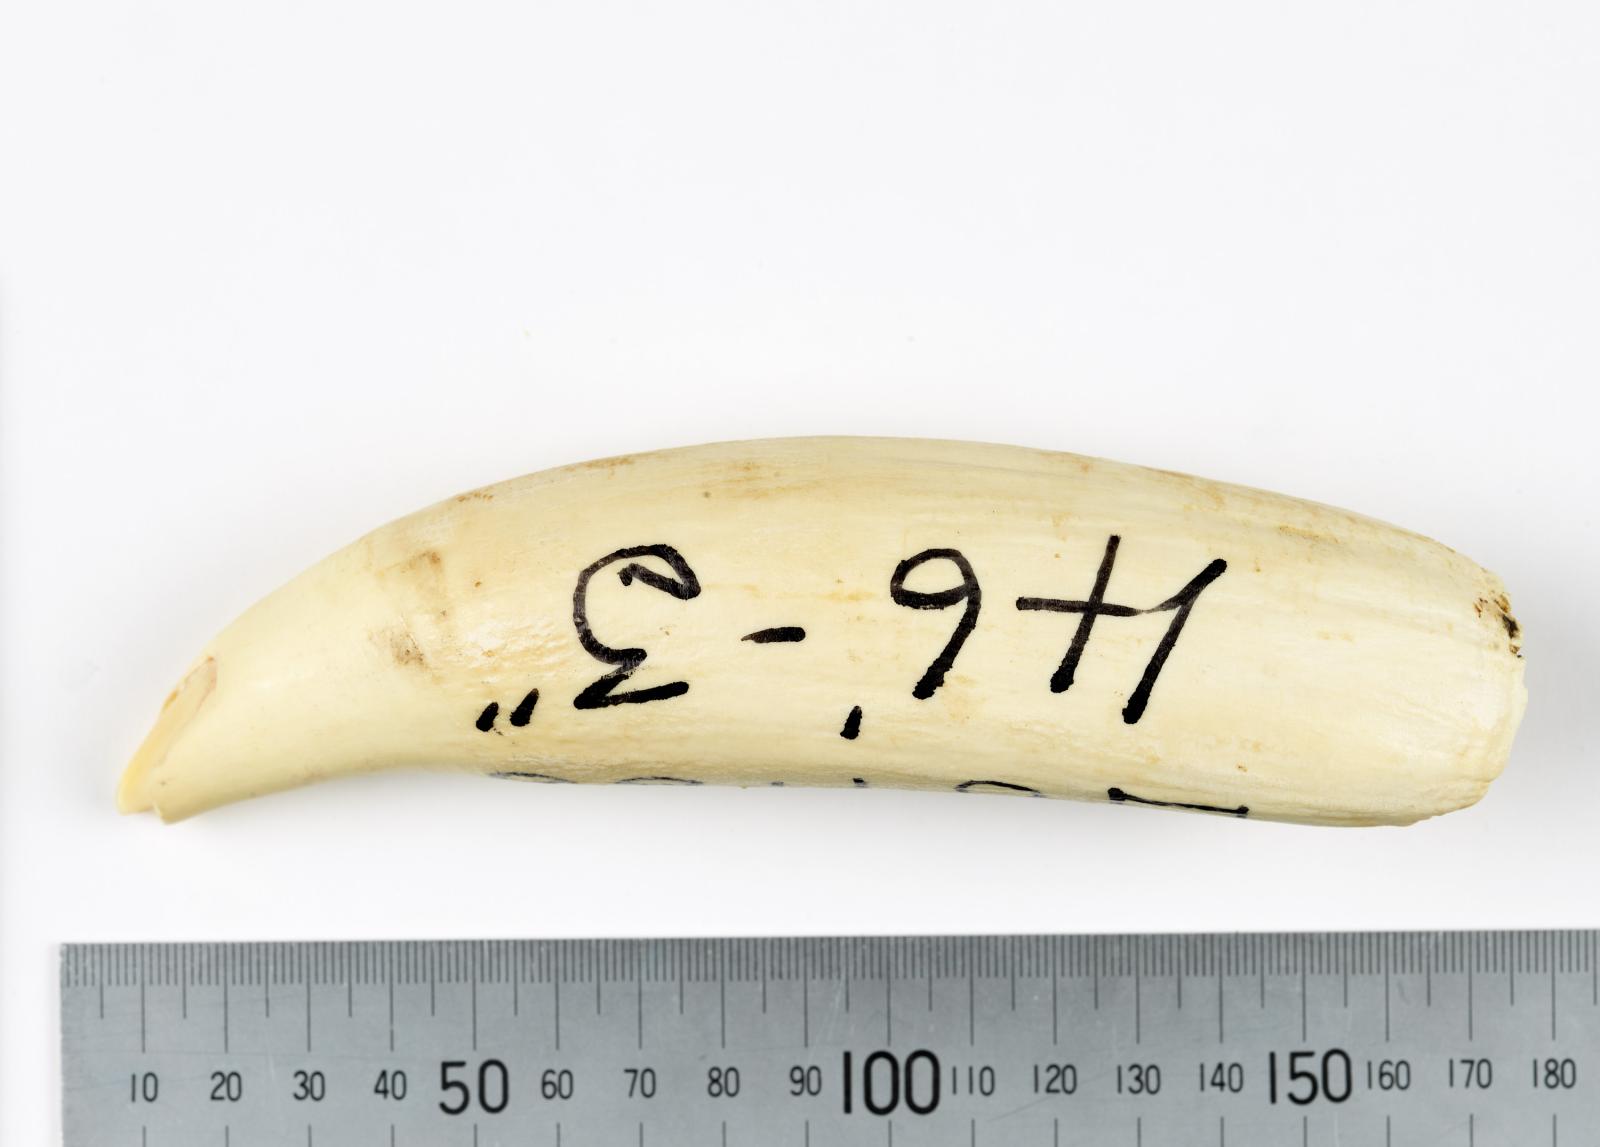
[(699, 958)]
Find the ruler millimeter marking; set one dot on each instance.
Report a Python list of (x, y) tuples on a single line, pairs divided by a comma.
[(1477, 1039)]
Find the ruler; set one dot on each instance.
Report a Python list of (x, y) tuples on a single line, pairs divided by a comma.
[(1360, 1040)]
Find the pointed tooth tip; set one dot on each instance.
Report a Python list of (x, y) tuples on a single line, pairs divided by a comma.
[(130, 799), (136, 789), (133, 789)]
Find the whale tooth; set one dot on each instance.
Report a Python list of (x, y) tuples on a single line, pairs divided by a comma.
[(881, 612)]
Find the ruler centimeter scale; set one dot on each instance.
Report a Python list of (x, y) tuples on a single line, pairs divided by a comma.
[(1470, 1039)]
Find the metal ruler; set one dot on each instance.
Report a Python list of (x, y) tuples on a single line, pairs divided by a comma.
[(1360, 1040)]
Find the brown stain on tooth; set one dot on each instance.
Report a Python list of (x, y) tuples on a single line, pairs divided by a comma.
[(603, 464), (1501, 604), (428, 561), (403, 648), (1308, 535)]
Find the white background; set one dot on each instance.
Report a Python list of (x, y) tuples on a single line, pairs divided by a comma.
[(272, 274)]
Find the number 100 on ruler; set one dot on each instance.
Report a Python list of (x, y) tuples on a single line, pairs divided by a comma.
[(1476, 1039)]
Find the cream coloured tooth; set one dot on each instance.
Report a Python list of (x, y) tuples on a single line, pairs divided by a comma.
[(838, 611)]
